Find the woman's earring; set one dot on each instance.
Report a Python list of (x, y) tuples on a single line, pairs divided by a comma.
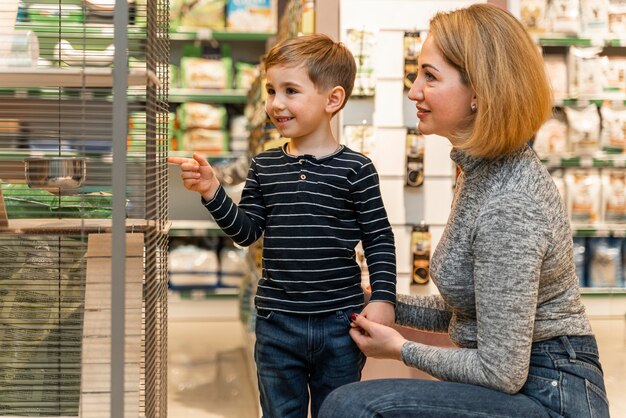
[(474, 108)]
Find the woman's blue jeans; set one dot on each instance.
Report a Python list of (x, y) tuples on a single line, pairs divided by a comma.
[(298, 354), (565, 380)]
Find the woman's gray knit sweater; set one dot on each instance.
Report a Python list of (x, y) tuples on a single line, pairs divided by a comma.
[(505, 272)]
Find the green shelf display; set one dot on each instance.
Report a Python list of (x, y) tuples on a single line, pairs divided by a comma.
[(177, 95), (219, 35)]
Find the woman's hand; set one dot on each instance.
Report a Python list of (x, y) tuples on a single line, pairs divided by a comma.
[(376, 340), (197, 174)]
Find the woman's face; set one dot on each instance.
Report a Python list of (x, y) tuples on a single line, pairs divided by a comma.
[(443, 102)]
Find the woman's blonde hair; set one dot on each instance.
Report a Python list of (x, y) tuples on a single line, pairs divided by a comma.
[(499, 61), (328, 63)]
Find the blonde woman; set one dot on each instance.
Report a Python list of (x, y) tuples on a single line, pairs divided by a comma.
[(509, 296)]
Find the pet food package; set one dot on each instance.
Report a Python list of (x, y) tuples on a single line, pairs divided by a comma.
[(360, 138), (564, 16), (191, 265), (580, 249), (588, 72), (594, 17), (197, 14), (556, 69), (245, 75), (533, 15), (583, 195), (605, 262), (201, 115), (613, 133), (616, 76), (551, 138), (614, 195), (583, 129), (617, 16), (210, 141), (202, 73), (251, 15), (361, 43)]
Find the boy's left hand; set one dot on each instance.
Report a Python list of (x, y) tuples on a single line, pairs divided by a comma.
[(380, 312)]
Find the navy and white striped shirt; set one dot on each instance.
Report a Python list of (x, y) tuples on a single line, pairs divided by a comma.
[(312, 212)]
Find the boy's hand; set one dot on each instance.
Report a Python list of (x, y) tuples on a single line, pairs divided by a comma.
[(197, 174), (381, 312)]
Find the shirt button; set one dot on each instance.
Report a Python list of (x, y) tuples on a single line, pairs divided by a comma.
[(300, 161), (302, 177), (554, 383)]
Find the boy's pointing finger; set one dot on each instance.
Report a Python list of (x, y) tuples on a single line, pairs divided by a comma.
[(200, 159)]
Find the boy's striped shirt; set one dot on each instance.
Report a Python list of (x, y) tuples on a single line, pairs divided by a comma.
[(312, 213)]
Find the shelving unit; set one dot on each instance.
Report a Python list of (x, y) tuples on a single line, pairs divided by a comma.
[(89, 272), (190, 219), (600, 301)]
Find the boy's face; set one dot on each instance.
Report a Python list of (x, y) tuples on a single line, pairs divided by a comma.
[(294, 104)]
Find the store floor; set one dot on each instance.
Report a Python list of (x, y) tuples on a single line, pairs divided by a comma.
[(210, 373)]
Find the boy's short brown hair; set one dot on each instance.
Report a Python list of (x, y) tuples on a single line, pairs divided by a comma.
[(328, 63)]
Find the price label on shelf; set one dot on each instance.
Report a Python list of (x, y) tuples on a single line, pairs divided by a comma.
[(586, 161), (204, 34)]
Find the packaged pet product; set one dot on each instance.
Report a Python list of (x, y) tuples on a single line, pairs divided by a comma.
[(614, 195), (233, 266), (533, 15), (594, 16), (583, 129), (551, 138), (583, 195), (580, 250), (588, 70), (617, 17), (605, 262), (210, 141), (564, 16), (195, 14), (360, 138), (245, 75), (190, 265), (202, 73), (201, 115), (616, 76), (613, 134), (251, 15), (361, 43), (556, 68)]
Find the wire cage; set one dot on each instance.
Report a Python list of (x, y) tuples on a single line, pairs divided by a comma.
[(83, 207)]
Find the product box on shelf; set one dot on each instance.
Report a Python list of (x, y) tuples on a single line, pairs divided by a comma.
[(251, 15)]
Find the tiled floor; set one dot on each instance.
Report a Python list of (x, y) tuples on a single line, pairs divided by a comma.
[(210, 373)]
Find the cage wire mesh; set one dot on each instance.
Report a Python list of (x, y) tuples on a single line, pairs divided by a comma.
[(56, 200)]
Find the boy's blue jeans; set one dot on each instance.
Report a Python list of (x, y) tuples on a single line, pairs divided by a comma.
[(565, 380), (295, 354)]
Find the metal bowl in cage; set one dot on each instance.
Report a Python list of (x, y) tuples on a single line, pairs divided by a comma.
[(55, 174)]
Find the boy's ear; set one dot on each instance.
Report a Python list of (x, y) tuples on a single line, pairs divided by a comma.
[(336, 98)]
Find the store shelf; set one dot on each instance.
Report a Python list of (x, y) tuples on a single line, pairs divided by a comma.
[(609, 159), (205, 95), (190, 228), (599, 230), (70, 77), (207, 34), (73, 31), (603, 291), (72, 226), (561, 40)]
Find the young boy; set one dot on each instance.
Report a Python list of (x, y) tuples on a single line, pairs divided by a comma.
[(312, 200)]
